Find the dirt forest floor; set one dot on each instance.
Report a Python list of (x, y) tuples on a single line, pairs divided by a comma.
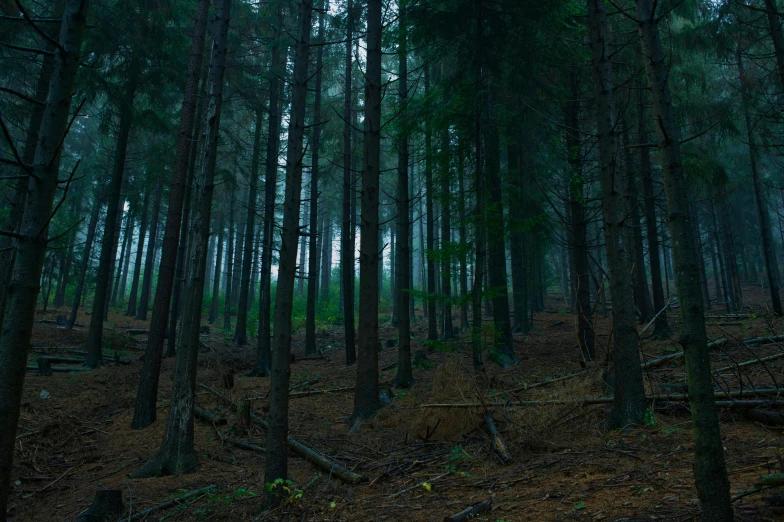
[(420, 463)]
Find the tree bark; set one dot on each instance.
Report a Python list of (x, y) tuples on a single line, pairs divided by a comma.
[(504, 346), (346, 232), (22, 293), (137, 265), (213, 317), (578, 227), (430, 299), (313, 261), (149, 263), (404, 377), (277, 433), (146, 398), (326, 259), (629, 404), (366, 400), (177, 454), (229, 267), (240, 333), (710, 473), (479, 208), (263, 348), (447, 331), (661, 327)]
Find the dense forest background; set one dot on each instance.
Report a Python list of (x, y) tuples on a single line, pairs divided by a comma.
[(330, 181)]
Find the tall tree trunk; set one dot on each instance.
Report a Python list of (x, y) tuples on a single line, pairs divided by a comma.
[(578, 226), (313, 261), (479, 208), (177, 454), (88, 244), (404, 377), (213, 316), (326, 259), (629, 404), (263, 348), (16, 212), (240, 334), (144, 412), (118, 275), (430, 300), (710, 473), (149, 263), (446, 254), (65, 272), (239, 243), (661, 327), (229, 267), (346, 232), (126, 265), (113, 213), (771, 264), (642, 296), (31, 244), (504, 346), (137, 265), (366, 400), (182, 247), (254, 279), (277, 434)]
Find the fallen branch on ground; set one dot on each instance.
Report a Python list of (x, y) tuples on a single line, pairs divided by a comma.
[(499, 446), (169, 503), (208, 416), (308, 393), (61, 369), (247, 446), (604, 400), (469, 512), (300, 449)]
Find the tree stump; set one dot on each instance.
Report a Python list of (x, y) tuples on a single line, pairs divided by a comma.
[(107, 506), (243, 417), (44, 366), (228, 380)]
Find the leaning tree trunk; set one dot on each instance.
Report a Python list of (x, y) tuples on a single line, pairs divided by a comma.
[(177, 454), (346, 232), (113, 212), (240, 333), (366, 400), (277, 433), (629, 404), (313, 261), (144, 412), (661, 327), (32, 239), (263, 347), (710, 473), (771, 264), (404, 378)]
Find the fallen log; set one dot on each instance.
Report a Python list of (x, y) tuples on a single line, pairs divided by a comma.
[(247, 446), (772, 418), (773, 479), (66, 360), (469, 512), (546, 382), (300, 449), (208, 416), (497, 442), (716, 343), (605, 400), (750, 362), (62, 369), (137, 331), (308, 393), (173, 502)]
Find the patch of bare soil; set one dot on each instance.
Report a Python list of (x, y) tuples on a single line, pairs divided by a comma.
[(421, 463)]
